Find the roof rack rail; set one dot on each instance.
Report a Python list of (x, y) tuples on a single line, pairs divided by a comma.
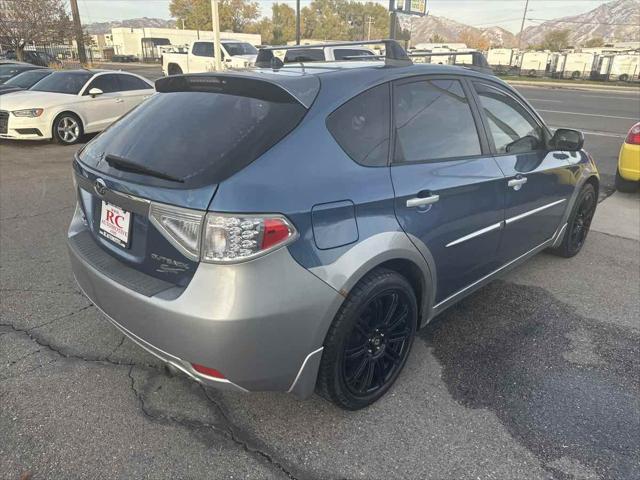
[(479, 61), (394, 54)]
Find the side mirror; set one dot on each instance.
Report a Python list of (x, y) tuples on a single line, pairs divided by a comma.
[(567, 140), (94, 92)]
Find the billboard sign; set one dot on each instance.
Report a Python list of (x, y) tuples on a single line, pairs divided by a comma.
[(415, 7)]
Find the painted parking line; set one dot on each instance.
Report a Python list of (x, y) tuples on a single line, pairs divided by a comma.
[(545, 100), (588, 114), (595, 132), (612, 97)]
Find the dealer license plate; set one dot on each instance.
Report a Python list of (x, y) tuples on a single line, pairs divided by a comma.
[(115, 224)]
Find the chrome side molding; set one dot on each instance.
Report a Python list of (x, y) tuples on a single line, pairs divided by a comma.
[(534, 211), (477, 233)]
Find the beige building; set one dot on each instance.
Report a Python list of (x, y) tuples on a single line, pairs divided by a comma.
[(142, 42)]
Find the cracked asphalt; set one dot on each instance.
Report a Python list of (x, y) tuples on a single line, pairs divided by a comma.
[(533, 377)]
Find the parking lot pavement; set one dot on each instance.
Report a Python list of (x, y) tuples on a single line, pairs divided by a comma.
[(535, 376)]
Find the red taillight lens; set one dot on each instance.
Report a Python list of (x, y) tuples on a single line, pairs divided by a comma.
[(275, 232), (230, 238), (210, 372), (634, 135)]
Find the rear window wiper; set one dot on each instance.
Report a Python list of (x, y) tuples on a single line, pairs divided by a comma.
[(128, 166)]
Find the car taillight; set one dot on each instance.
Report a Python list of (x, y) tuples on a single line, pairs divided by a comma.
[(634, 135), (233, 238), (221, 237), (180, 226)]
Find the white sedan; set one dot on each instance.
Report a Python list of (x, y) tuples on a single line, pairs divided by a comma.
[(67, 104)]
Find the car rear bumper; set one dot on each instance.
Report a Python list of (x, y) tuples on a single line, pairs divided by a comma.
[(629, 162), (260, 323)]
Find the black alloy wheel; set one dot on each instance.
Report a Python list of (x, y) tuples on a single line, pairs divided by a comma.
[(378, 344), (369, 340), (582, 220), (578, 223)]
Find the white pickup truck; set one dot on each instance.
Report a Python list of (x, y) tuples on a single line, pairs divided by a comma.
[(199, 58)]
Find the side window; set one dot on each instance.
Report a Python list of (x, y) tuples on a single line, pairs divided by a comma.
[(513, 129), (342, 53), (304, 55), (361, 126), (107, 83), (203, 49), (129, 82), (433, 121)]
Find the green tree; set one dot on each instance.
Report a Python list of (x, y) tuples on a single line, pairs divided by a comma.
[(196, 14), (26, 21), (235, 15), (283, 19), (364, 19), (344, 20), (556, 40), (436, 38), (323, 22), (595, 42), (264, 27)]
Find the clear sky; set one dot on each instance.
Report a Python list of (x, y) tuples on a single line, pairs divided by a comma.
[(480, 13)]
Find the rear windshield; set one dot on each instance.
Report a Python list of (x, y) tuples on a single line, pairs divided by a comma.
[(198, 138), (240, 48), (304, 55), (350, 53), (63, 82), (27, 79)]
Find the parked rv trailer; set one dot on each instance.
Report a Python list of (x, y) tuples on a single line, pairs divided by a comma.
[(625, 67), (500, 58), (575, 65), (535, 64)]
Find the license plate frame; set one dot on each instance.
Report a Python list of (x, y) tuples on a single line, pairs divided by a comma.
[(115, 224)]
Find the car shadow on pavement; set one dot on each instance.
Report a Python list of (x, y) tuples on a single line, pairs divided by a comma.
[(43, 143), (510, 383), (566, 387)]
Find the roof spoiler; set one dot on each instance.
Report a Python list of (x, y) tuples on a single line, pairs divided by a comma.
[(479, 61), (394, 54)]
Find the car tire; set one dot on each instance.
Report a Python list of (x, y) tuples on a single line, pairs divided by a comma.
[(369, 340), (579, 223), (626, 186), (67, 129), (174, 69)]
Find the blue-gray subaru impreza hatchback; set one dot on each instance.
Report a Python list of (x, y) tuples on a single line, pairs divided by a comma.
[(290, 227)]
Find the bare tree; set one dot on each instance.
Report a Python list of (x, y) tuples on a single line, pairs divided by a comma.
[(26, 21)]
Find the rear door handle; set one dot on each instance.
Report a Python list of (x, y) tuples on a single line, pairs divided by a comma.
[(419, 202), (119, 100), (516, 183)]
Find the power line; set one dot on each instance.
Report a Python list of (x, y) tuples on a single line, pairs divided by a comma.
[(559, 20)]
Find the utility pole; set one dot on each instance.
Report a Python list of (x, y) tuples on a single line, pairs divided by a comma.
[(524, 17), (215, 23), (392, 19), (369, 21), (297, 22), (77, 28)]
